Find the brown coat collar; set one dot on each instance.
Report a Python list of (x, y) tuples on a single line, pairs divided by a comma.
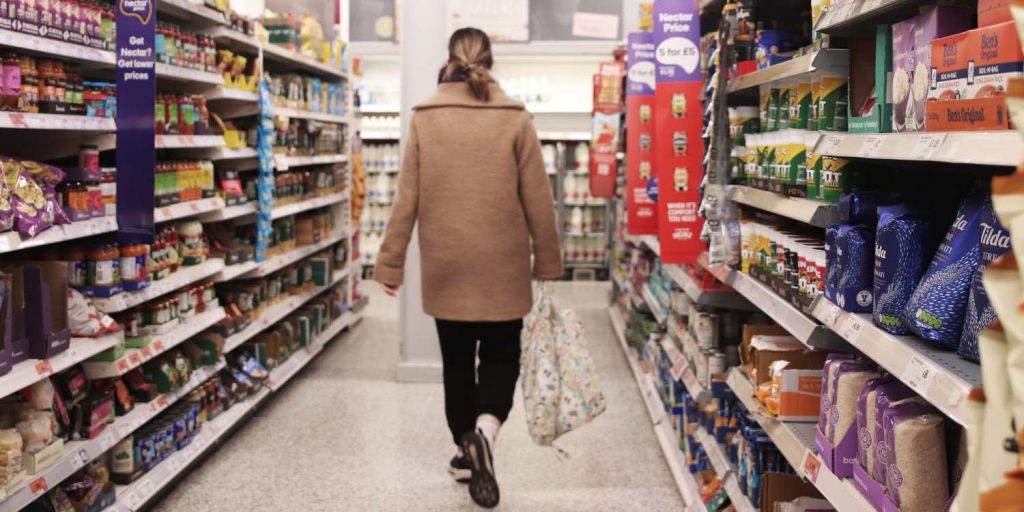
[(456, 94)]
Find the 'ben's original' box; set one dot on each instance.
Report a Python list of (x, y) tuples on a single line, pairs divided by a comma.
[(970, 75)]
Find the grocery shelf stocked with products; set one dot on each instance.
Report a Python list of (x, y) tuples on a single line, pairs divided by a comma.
[(140, 332), (858, 198)]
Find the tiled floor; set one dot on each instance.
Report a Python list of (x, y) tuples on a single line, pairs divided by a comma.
[(345, 436)]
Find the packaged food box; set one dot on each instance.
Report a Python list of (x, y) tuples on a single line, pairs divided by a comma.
[(972, 72), (912, 51)]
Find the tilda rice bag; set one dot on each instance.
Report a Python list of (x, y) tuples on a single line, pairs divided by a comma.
[(995, 241)]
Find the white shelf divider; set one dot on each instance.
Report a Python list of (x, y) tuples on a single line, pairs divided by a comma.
[(939, 376), (33, 121), (188, 209), (818, 60), (796, 442), (62, 49), (230, 37), (77, 454), (289, 58), (307, 114), (996, 148), (802, 327), (12, 241), (232, 94), (290, 209), (284, 162), (189, 141), (230, 272), (135, 357), (808, 211), (715, 298), (380, 135), (283, 260), (663, 430), (652, 302), (229, 212), (28, 372), (182, 74), (183, 277)]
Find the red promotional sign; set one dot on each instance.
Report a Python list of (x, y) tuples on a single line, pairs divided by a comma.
[(642, 211), (678, 123), (605, 132)]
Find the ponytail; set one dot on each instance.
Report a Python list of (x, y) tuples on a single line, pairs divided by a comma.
[(470, 60)]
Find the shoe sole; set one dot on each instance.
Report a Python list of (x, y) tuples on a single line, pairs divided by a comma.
[(462, 476), (483, 487)]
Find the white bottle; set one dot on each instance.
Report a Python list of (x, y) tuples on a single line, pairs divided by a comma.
[(582, 156), (548, 153), (576, 220)]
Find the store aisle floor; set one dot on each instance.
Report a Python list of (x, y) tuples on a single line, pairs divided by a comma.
[(345, 436)]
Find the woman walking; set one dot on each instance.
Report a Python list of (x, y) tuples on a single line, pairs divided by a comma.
[(474, 179)]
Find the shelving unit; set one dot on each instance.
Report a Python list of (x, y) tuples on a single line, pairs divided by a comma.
[(135, 357), (819, 60), (808, 211), (290, 209), (941, 377), (667, 437), (229, 103), (726, 471), (1001, 148), (652, 303), (796, 442), (801, 326), (183, 277), (77, 454), (716, 298), (277, 312), (11, 241), (283, 260)]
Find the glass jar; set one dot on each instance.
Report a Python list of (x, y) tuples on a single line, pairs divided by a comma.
[(103, 267)]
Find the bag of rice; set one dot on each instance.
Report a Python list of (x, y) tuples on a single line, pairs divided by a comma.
[(831, 363), (847, 384), (917, 471), (995, 241), (880, 399), (865, 423), (937, 308)]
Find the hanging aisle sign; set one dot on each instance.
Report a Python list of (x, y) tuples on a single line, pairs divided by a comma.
[(642, 211), (605, 129), (136, 95), (678, 123)]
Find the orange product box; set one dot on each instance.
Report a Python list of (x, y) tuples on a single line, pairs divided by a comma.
[(977, 63), (993, 12), (971, 73), (800, 395)]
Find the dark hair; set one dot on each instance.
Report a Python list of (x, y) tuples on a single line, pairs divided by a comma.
[(470, 60)]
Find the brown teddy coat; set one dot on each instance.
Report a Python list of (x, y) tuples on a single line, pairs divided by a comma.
[(474, 179)]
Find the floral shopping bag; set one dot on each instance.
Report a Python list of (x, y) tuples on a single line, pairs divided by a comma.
[(560, 384)]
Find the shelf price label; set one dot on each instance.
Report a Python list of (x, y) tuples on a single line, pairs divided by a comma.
[(39, 485), (871, 146), (810, 467), (919, 374), (80, 459), (926, 146), (829, 144), (44, 368)]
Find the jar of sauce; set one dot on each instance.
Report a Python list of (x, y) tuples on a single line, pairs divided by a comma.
[(104, 270), (134, 271)]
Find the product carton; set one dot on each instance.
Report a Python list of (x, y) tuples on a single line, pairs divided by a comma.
[(15, 336), (912, 53), (751, 330), (46, 306), (870, 72), (799, 395), (765, 350), (784, 488), (993, 12), (873, 491), (972, 72), (841, 457)]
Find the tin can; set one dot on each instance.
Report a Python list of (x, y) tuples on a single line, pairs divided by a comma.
[(707, 330), (716, 363)]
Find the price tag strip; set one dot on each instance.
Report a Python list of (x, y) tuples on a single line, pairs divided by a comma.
[(871, 146), (926, 146)]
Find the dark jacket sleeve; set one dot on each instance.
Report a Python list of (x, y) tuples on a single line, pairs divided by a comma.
[(538, 204), (390, 268)]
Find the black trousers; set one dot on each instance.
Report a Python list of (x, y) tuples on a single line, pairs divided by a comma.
[(470, 391)]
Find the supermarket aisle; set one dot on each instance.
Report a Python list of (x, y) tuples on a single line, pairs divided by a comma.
[(345, 436)]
